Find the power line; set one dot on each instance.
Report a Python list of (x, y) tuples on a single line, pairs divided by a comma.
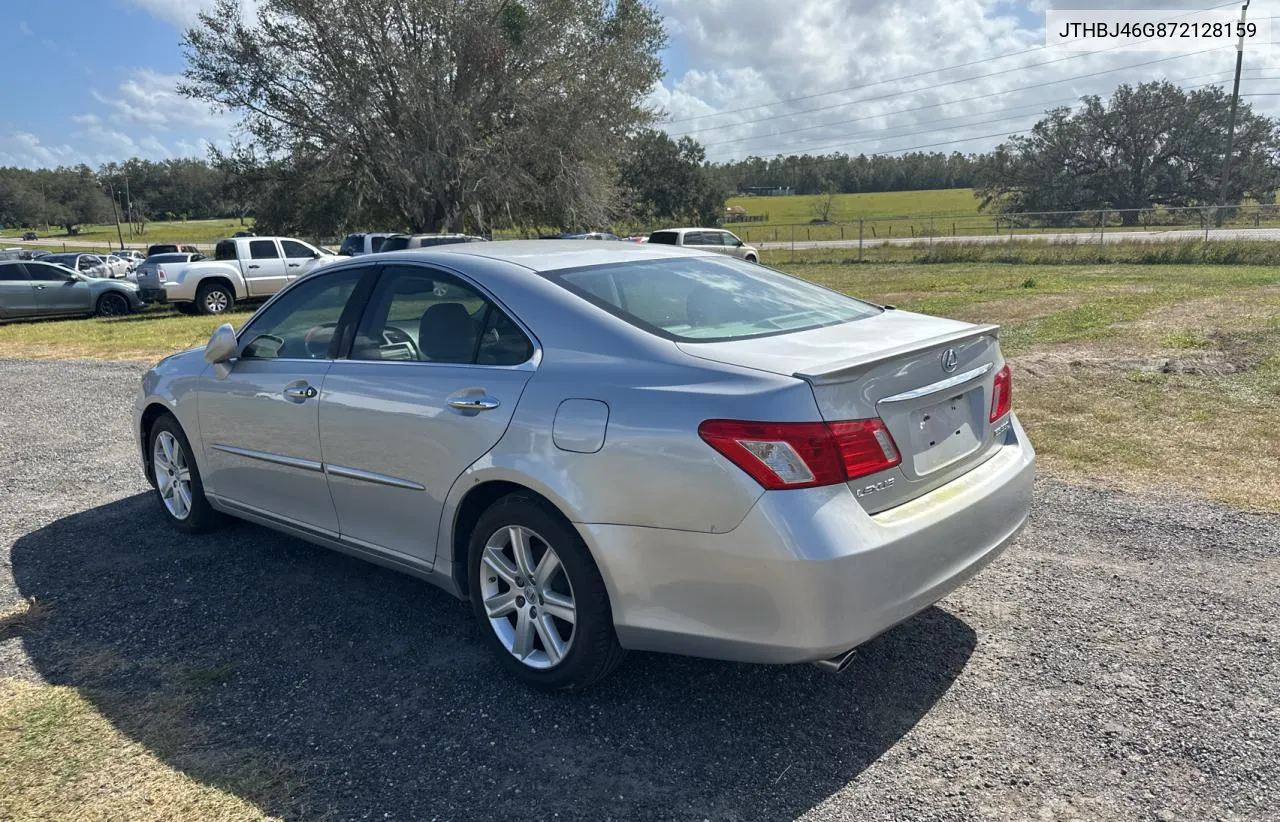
[(1072, 56), (1039, 105), (986, 96)]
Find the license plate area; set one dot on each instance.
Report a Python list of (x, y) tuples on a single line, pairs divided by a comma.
[(946, 431)]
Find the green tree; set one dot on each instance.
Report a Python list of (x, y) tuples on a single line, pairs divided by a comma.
[(1153, 144), (666, 179), (443, 111)]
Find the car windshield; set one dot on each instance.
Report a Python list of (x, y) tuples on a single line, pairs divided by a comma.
[(704, 299)]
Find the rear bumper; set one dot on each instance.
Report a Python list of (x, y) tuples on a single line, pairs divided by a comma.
[(153, 295), (809, 574)]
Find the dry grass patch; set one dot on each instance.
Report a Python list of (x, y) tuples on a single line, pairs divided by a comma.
[(60, 759), (23, 618)]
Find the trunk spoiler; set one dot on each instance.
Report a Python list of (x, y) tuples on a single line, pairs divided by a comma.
[(842, 370)]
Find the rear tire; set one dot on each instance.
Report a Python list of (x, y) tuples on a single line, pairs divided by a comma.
[(503, 599), (112, 305), (176, 478), (214, 298), (751, 258)]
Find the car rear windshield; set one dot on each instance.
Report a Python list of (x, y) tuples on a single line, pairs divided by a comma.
[(700, 299)]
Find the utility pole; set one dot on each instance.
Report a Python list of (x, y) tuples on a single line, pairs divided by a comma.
[(1231, 122), (128, 205), (116, 212)]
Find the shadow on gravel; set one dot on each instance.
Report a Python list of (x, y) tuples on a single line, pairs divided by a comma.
[(315, 685)]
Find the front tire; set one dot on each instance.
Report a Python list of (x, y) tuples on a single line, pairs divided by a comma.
[(177, 479), (214, 298), (751, 258), (112, 305), (539, 598)]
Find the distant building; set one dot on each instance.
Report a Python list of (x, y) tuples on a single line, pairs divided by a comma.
[(767, 191)]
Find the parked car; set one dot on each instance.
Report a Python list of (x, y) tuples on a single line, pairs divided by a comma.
[(155, 271), (30, 235), (32, 254), (591, 235), (243, 234), (40, 289), (641, 448), (242, 268), (171, 248), (134, 256), (401, 242), (90, 265), (353, 245), (707, 239), (118, 266)]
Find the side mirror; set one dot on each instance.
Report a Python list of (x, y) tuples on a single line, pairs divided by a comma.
[(222, 345), (315, 255)]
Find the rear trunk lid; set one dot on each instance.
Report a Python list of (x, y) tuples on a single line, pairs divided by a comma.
[(148, 275), (929, 380)]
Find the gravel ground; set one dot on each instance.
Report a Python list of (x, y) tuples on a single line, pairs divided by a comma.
[(1120, 662)]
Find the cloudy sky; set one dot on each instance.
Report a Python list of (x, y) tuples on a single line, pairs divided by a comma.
[(93, 80)]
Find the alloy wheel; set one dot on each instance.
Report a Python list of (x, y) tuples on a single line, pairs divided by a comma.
[(527, 597), (113, 305), (215, 301), (173, 476)]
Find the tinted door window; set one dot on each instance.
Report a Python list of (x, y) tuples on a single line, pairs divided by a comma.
[(417, 314), (294, 250), (48, 273), (352, 245), (665, 237), (394, 244), (694, 238), (224, 250), (263, 250), (12, 272), (301, 324)]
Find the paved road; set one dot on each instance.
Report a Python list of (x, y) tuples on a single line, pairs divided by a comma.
[(1118, 663), (1171, 236)]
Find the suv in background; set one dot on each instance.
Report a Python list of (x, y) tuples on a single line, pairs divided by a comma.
[(171, 248), (400, 242), (707, 239), (354, 245)]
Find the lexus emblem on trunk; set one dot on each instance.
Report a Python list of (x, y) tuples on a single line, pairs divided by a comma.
[(949, 360)]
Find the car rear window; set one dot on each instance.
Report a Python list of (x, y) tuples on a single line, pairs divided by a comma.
[(700, 299), (665, 237), (394, 244)]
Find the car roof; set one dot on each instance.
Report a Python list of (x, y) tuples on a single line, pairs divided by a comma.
[(547, 255)]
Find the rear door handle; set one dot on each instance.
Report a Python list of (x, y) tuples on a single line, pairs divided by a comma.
[(300, 393), (255, 266), (41, 287), (485, 403), (294, 265)]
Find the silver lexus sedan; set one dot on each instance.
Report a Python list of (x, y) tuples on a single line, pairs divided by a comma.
[(606, 446)]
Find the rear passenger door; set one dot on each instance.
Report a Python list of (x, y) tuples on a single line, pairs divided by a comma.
[(264, 270), (17, 296), (429, 386)]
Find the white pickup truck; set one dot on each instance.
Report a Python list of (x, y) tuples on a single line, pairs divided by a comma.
[(242, 268)]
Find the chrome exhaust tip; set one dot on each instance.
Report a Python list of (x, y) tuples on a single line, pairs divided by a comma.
[(836, 664)]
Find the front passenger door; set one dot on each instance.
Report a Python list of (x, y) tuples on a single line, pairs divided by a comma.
[(17, 296), (265, 271), (259, 422), (59, 291)]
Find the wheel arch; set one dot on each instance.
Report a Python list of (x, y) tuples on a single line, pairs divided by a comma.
[(462, 517), (153, 412), (221, 279)]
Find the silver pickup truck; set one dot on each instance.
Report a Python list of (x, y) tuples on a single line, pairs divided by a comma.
[(242, 269)]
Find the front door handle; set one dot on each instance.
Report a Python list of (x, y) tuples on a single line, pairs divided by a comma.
[(485, 403), (294, 265), (300, 393), (41, 287)]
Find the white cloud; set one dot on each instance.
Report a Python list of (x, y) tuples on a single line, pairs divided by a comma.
[(24, 28), (751, 53), (181, 13), (26, 150), (86, 119), (150, 98)]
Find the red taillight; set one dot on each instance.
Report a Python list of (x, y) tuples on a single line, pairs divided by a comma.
[(1001, 394), (803, 454), (160, 274)]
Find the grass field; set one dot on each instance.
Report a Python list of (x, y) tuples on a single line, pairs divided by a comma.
[(197, 232)]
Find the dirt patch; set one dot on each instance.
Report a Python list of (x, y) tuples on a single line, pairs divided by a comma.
[(1020, 309), (1216, 312), (1219, 354)]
